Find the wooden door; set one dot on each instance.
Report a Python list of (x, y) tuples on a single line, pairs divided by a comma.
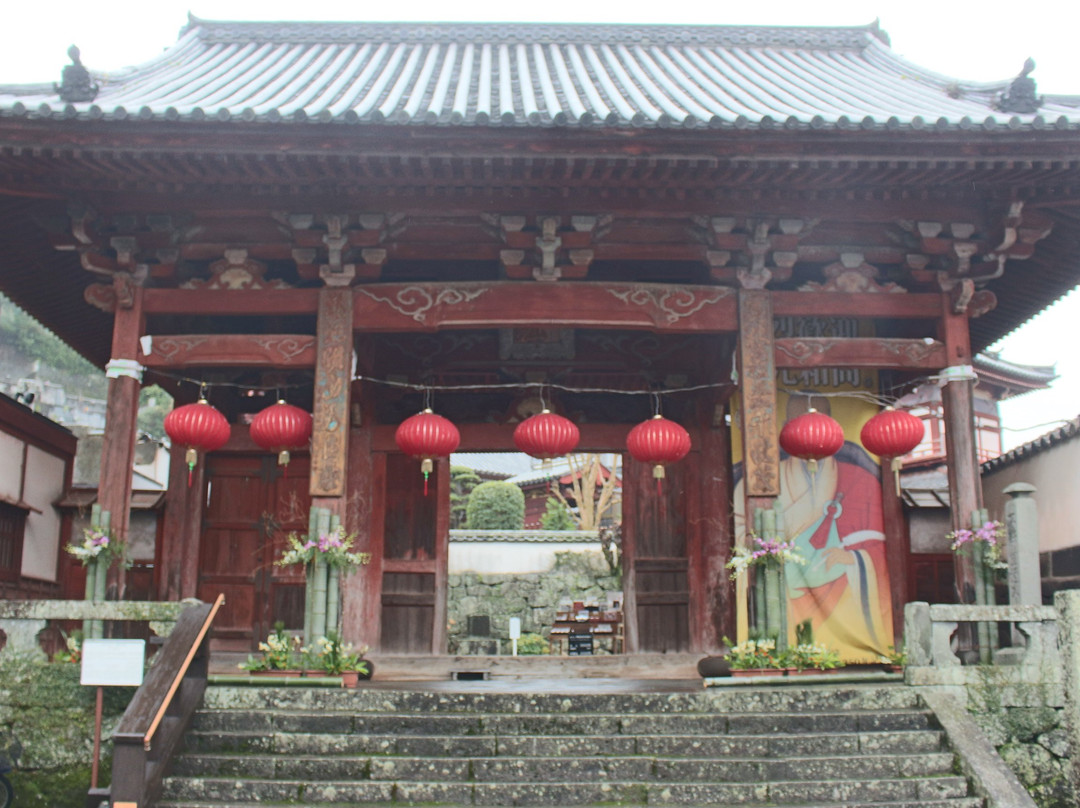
[(251, 506), (655, 562), (415, 533)]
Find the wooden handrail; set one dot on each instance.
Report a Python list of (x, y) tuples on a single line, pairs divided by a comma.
[(179, 678), (152, 727)]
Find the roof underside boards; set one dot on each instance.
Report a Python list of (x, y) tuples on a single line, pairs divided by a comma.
[(523, 75)]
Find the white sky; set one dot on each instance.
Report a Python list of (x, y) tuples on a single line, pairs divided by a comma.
[(976, 41)]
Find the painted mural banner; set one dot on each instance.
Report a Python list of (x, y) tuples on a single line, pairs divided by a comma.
[(832, 514)]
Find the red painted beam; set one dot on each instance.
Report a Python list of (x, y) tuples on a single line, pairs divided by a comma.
[(233, 350), (859, 352)]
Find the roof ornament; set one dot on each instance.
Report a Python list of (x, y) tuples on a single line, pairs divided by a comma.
[(76, 83), (1021, 97)]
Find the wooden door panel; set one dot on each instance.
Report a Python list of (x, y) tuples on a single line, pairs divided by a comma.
[(408, 612), (251, 508), (655, 547)]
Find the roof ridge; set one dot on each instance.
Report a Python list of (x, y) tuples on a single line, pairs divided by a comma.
[(750, 36)]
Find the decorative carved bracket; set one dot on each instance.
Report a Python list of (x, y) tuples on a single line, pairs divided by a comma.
[(340, 247), (765, 249), (552, 247), (851, 274), (236, 271)]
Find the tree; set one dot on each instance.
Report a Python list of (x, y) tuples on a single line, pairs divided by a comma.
[(496, 506), (587, 474), (154, 405), (557, 517), (462, 481)]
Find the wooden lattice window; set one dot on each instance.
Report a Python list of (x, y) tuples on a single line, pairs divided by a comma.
[(12, 522)]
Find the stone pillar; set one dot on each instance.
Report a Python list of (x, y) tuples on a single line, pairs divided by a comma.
[(1022, 545), (1067, 603)]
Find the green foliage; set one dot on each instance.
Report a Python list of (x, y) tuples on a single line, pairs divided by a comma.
[(804, 632), (154, 405), (462, 481), (60, 363), (532, 645), (556, 517), (496, 506)]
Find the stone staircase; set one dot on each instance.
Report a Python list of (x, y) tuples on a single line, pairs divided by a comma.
[(792, 746)]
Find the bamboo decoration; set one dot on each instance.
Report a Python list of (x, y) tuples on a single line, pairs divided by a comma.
[(333, 588), (984, 589), (96, 575)]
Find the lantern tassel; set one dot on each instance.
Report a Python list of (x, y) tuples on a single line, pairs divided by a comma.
[(426, 466), (191, 457), (811, 465), (897, 464), (283, 461)]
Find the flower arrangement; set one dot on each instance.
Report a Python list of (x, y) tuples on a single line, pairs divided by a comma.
[(99, 545), (333, 548), (759, 653), (763, 551), (762, 653), (73, 651), (331, 655), (989, 535), (280, 652)]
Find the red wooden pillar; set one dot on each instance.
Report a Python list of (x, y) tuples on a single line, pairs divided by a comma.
[(958, 405), (361, 590), (757, 392), (713, 598), (178, 570), (897, 548), (333, 380), (118, 448)]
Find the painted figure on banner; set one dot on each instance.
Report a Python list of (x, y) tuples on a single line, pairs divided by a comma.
[(834, 514)]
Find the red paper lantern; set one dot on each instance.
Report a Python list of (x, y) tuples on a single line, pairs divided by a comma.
[(427, 436), (892, 434), (546, 435), (658, 441), (281, 427), (197, 426), (811, 437)]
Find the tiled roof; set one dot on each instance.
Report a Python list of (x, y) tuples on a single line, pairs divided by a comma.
[(547, 75), (504, 464), (531, 536), (1052, 438)]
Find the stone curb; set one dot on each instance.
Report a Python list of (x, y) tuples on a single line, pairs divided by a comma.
[(991, 778)]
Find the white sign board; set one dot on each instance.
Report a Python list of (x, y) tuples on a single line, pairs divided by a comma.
[(515, 628), (110, 663)]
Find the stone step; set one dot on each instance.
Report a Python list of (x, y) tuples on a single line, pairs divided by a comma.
[(565, 770), (915, 790), (959, 802), (771, 745), (713, 700), (401, 723)]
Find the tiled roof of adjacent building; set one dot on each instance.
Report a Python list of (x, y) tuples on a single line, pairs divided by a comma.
[(540, 75), (1068, 431)]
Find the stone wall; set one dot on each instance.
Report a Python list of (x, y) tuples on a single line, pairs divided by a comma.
[(531, 596), (45, 709), (1025, 723)]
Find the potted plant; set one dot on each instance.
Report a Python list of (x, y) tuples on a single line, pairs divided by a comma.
[(895, 660), (281, 655), (332, 657), (755, 657)]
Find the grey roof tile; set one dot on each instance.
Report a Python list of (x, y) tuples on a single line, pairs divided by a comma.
[(533, 75)]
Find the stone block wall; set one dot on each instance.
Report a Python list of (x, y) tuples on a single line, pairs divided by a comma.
[(534, 597)]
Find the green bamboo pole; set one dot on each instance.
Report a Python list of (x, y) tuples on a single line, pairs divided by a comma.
[(758, 583), (101, 577), (318, 622), (91, 570), (781, 578), (979, 556), (309, 579), (333, 587)]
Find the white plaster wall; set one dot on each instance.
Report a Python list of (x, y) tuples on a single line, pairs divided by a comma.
[(11, 466), (1055, 473), (510, 557), (44, 486)]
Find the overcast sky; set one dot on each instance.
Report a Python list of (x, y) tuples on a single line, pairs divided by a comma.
[(982, 42)]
